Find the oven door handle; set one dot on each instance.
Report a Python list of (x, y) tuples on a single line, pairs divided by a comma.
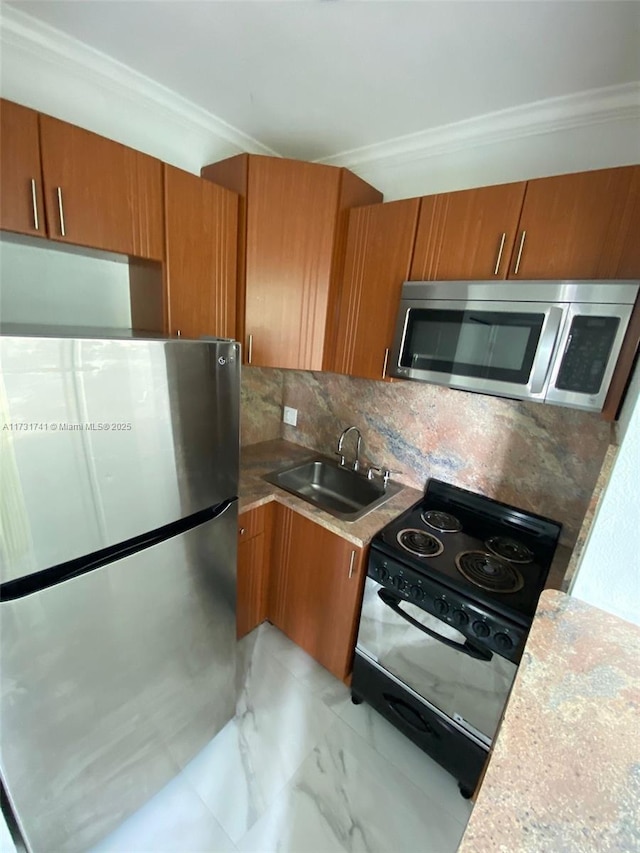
[(468, 648)]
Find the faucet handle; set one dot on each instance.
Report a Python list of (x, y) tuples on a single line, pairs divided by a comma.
[(386, 475), (373, 469)]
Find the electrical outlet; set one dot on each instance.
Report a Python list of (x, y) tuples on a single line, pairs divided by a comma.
[(290, 416)]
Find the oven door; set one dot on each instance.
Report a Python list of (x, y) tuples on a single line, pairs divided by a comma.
[(439, 666), (490, 347)]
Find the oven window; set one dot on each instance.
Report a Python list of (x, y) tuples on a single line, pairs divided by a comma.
[(488, 344)]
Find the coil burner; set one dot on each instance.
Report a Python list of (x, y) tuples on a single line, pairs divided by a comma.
[(489, 572), (442, 521), (420, 543), (510, 549)]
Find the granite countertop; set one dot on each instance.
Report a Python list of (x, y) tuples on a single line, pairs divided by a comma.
[(267, 456), (565, 770)]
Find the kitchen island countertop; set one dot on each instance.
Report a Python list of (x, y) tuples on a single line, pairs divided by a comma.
[(267, 456), (565, 770)]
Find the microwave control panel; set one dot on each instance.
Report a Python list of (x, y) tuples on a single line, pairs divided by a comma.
[(586, 354)]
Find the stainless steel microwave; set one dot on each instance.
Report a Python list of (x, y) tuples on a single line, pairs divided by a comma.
[(555, 342)]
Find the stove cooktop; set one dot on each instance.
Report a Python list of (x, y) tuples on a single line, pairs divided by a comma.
[(495, 554)]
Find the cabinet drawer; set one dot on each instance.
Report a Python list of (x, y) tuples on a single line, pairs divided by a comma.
[(254, 566), (459, 755), (253, 522)]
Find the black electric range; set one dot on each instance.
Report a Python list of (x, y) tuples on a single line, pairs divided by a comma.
[(476, 563)]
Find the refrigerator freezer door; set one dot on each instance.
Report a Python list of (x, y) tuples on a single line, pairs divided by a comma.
[(112, 681), (104, 440)]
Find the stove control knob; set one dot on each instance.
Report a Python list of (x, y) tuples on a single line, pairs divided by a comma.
[(398, 582), (460, 618), (440, 606), (503, 642), (481, 629), (382, 573), (417, 593)]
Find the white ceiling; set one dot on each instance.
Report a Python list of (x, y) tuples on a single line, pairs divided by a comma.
[(314, 78)]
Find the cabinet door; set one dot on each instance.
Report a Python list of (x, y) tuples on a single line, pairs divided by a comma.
[(316, 589), (291, 220), (99, 193), (580, 226), (21, 207), (467, 235), (254, 557), (201, 242), (378, 257)]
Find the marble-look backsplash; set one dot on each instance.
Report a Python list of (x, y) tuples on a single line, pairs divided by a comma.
[(542, 458), (261, 391)]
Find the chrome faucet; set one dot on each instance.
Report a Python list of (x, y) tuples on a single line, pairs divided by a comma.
[(340, 454), (385, 473)]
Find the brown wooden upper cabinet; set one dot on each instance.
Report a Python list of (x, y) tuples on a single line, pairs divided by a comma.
[(378, 256), (580, 226), (291, 251), (201, 243), (21, 204), (97, 193), (467, 235)]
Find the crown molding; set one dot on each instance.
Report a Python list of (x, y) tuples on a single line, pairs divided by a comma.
[(53, 47), (591, 107), (46, 47)]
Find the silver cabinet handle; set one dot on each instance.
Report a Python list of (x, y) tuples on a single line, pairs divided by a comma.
[(34, 201), (497, 267), (385, 363), (242, 531), (522, 239), (178, 333), (250, 349), (63, 233), (351, 564)]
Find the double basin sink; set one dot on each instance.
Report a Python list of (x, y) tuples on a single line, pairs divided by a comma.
[(343, 493)]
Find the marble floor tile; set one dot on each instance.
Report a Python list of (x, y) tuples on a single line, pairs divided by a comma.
[(347, 797), (174, 821), (312, 675), (405, 755), (299, 770), (327, 689), (268, 642), (278, 722)]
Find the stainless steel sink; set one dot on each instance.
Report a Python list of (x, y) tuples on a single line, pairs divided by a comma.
[(345, 494)]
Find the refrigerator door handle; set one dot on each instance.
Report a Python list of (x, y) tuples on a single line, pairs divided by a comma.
[(19, 588)]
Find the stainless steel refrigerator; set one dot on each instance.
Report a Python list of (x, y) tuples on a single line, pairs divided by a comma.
[(118, 513)]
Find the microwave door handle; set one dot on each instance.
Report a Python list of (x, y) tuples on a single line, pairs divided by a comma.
[(546, 345), (468, 648)]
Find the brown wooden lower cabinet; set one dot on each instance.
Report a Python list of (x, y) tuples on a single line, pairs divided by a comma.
[(316, 589), (254, 552)]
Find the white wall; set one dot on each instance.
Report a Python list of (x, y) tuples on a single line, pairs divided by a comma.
[(608, 575), (50, 286), (553, 152), (48, 71)]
